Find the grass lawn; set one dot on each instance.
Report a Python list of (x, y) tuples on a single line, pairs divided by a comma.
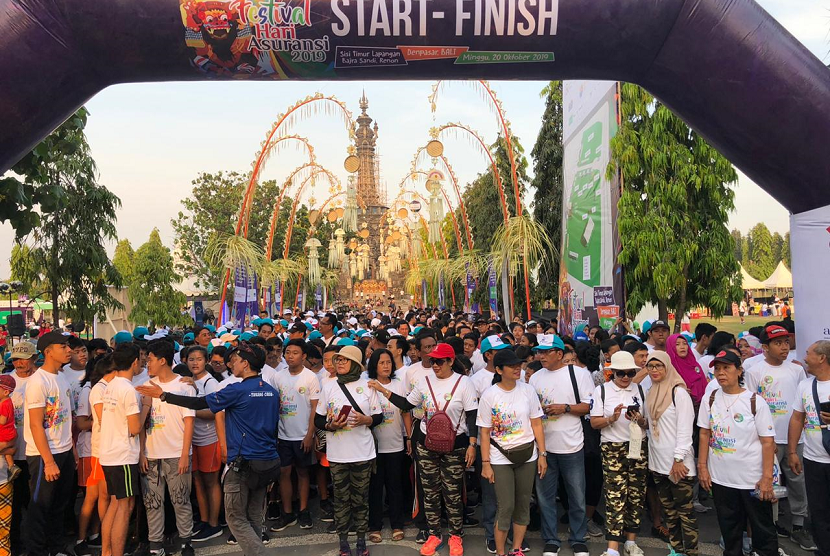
[(730, 324)]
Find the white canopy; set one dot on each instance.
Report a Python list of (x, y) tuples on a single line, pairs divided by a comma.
[(748, 282), (781, 278)]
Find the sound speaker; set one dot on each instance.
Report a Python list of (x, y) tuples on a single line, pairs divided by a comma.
[(15, 325)]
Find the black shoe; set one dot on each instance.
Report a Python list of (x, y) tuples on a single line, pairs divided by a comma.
[(187, 550), (782, 532), (580, 549), (470, 521), (361, 549), (273, 511), (525, 544), (94, 543), (469, 510), (422, 536), (305, 520), (550, 550), (345, 549), (490, 545), (231, 539), (198, 526), (207, 533), (82, 549), (332, 528), (265, 538), (286, 521), (326, 512)]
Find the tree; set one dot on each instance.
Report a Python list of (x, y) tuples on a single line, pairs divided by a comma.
[(676, 249), (123, 260), (738, 240), (785, 251), (151, 290), (762, 253), (547, 181), (777, 247), (66, 242)]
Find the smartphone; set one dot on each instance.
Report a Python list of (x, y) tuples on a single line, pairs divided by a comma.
[(632, 409), (344, 412), (825, 407)]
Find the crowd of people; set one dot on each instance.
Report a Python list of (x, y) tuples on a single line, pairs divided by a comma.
[(419, 415)]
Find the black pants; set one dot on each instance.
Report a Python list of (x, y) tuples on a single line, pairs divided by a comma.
[(44, 519), (817, 476), (735, 508), (20, 501), (387, 475)]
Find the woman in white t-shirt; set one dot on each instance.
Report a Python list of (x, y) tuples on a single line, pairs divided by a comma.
[(442, 472), (393, 444), (737, 450), (512, 446), (671, 416), (614, 407)]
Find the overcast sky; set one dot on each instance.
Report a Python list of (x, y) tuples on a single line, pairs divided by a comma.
[(151, 140)]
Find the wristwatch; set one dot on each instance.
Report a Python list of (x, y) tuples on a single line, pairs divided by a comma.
[(567, 408), (163, 396), (543, 454), (678, 460)]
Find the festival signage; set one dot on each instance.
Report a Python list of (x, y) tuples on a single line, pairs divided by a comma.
[(589, 207), (810, 245), (244, 295), (491, 288)]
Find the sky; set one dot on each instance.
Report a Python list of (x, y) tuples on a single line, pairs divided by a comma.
[(151, 140)]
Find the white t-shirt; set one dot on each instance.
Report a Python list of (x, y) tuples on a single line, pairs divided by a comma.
[(751, 361), (508, 416), (84, 442), (269, 375), (165, 435), (96, 397), (477, 360), (296, 394), (141, 378), (411, 376), (735, 458), (614, 396), (674, 438), (117, 446), (72, 375), (710, 371), (813, 448), (227, 381), (563, 433), (464, 399), (482, 381), (19, 401), (323, 377), (348, 445), (390, 432), (51, 392), (204, 430), (778, 385)]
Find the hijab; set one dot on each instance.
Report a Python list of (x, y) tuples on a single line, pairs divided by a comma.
[(754, 343), (660, 395), (355, 370), (687, 367)]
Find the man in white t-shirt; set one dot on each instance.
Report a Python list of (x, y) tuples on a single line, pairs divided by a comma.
[(704, 332), (75, 370), (47, 431), (657, 336), (776, 380), (564, 410), (810, 418), (299, 392), (471, 350), (119, 446), (23, 356), (165, 460), (483, 379)]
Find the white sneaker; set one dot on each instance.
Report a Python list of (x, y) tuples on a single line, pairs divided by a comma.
[(633, 550), (781, 552)]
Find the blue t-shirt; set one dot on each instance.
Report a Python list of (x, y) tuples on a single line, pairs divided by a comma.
[(252, 411)]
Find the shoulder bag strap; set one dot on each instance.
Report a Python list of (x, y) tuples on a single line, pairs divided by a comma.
[(712, 398), (434, 399), (350, 398), (573, 383), (446, 405), (643, 394), (752, 404)]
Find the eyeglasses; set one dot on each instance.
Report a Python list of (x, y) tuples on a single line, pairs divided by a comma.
[(440, 362), (655, 366), (629, 374)]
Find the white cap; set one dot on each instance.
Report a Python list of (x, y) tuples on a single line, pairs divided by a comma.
[(288, 312), (352, 321), (375, 322)]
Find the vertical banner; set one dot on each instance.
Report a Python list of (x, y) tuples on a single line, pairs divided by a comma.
[(240, 296), (471, 287), (424, 299), (198, 313), (253, 296), (442, 303), (277, 303), (810, 247), (590, 281), (318, 297), (491, 288)]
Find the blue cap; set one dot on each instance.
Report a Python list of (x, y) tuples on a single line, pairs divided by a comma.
[(140, 331), (418, 329), (236, 332), (646, 326), (211, 328), (492, 342), (177, 346), (345, 342), (246, 336), (315, 334), (284, 323), (548, 342), (123, 337), (189, 337), (309, 326)]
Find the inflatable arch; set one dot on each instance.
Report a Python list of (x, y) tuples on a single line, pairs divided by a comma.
[(725, 66)]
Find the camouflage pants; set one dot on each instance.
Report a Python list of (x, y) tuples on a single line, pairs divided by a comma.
[(625, 489), (681, 521), (351, 495), (442, 476)]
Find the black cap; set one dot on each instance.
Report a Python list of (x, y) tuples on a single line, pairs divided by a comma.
[(506, 358), (381, 336), (50, 338), (659, 324), (725, 356), (298, 327)]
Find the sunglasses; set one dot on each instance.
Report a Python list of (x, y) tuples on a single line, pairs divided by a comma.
[(439, 362), (629, 374)]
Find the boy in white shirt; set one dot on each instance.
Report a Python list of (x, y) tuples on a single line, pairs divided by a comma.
[(165, 460), (118, 447)]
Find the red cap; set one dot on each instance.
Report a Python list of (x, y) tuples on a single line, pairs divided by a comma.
[(7, 383), (442, 351), (772, 332)]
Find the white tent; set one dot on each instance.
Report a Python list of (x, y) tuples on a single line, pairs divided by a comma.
[(748, 282), (781, 278)]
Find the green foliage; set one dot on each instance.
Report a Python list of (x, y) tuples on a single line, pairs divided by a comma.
[(760, 252), (65, 252), (785, 251), (676, 249), (547, 181), (123, 260), (23, 269), (151, 290)]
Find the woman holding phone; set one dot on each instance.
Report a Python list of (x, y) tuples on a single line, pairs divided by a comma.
[(347, 410), (737, 450), (615, 406)]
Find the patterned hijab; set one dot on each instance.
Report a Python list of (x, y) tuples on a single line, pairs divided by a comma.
[(660, 395)]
